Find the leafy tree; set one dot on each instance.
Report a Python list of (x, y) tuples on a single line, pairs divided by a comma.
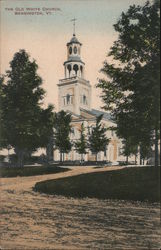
[(81, 143), (132, 90), (50, 147), (26, 124), (129, 149), (62, 133), (97, 139), (145, 151), (3, 142)]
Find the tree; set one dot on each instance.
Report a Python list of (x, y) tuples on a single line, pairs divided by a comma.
[(81, 143), (26, 124), (62, 132), (3, 142), (145, 151), (132, 90), (50, 148), (47, 124), (97, 139), (129, 149)]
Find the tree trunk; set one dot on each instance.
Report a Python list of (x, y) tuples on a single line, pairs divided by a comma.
[(140, 157), (60, 156), (8, 156), (135, 159), (127, 159), (156, 148), (49, 152), (20, 161), (96, 158), (81, 158)]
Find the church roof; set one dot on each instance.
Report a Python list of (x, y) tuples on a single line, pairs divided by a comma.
[(96, 113), (74, 59), (74, 40), (89, 115), (106, 115)]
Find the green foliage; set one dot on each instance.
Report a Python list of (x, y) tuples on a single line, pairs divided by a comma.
[(81, 144), (129, 148), (62, 132), (26, 124), (3, 142), (145, 151), (132, 90), (97, 139)]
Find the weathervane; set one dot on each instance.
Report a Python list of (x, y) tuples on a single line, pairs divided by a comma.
[(73, 20)]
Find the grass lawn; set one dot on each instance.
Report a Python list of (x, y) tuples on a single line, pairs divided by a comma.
[(136, 183), (30, 171)]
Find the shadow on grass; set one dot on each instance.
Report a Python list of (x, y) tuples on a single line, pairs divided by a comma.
[(138, 184), (30, 171)]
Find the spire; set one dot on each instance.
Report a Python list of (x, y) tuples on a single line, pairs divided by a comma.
[(73, 39), (73, 20)]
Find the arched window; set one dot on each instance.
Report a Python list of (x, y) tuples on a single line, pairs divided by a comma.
[(84, 99), (75, 67), (75, 50), (70, 50), (69, 68), (68, 99), (81, 69)]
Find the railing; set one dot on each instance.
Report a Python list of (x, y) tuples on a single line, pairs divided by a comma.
[(72, 78), (69, 78)]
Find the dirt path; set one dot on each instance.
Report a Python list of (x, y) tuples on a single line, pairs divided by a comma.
[(31, 220), (26, 183)]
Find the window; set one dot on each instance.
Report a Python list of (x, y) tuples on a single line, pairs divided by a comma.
[(75, 67), (70, 50), (75, 50), (69, 68), (84, 99), (105, 152), (64, 101), (81, 70), (68, 99)]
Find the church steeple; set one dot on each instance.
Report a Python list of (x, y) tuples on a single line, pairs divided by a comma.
[(74, 66), (74, 89), (73, 20)]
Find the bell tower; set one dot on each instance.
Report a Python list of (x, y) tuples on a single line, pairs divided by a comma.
[(74, 89)]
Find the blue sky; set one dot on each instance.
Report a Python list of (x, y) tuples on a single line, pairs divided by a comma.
[(93, 15)]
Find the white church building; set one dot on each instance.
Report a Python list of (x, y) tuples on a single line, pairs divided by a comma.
[(75, 94)]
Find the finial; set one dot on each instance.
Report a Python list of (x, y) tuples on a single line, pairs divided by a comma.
[(73, 20)]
